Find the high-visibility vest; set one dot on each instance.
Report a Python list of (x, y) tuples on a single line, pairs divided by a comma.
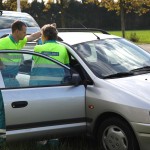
[(45, 72), (11, 61), (54, 50), (9, 43)]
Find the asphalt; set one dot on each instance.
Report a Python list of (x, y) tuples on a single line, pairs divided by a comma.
[(145, 46)]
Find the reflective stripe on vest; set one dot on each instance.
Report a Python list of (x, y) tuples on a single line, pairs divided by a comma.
[(43, 78), (47, 66), (11, 59)]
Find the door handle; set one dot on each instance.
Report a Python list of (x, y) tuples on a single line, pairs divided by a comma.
[(19, 104)]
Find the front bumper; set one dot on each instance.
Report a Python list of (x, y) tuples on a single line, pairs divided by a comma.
[(142, 132)]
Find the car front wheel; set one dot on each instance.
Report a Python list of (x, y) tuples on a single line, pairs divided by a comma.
[(115, 134)]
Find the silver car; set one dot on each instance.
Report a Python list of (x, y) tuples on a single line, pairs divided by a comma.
[(8, 17), (104, 93)]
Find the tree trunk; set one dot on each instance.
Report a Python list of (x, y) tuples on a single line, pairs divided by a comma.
[(63, 18), (1, 5), (62, 2), (122, 15)]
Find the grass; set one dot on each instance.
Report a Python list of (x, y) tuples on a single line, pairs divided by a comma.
[(80, 143), (143, 35)]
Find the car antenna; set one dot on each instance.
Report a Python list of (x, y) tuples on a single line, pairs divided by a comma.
[(82, 25)]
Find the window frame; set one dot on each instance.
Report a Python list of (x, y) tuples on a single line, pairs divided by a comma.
[(35, 54)]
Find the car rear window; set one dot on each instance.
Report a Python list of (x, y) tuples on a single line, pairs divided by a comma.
[(6, 21)]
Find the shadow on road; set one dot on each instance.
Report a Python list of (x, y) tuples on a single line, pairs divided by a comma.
[(74, 143)]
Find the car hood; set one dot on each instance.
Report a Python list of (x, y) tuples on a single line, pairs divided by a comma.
[(138, 85)]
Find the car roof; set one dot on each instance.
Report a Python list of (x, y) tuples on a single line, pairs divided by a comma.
[(73, 37), (14, 13)]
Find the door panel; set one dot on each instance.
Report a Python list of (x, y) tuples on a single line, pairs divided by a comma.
[(51, 105), (47, 106)]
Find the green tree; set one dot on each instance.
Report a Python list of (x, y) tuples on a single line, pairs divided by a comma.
[(126, 6), (36, 10), (64, 5), (12, 5), (51, 13)]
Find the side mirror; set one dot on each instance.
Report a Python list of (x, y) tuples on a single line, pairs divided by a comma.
[(76, 80)]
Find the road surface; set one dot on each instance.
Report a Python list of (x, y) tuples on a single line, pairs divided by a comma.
[(145, 46)]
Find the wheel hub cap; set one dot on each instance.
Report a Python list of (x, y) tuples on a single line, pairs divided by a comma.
[(114, 139)]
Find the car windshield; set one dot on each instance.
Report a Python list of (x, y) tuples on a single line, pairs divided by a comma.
[(114, 58), (6, 21)]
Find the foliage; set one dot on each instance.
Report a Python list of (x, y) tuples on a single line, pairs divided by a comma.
[(134, 37), (137, 6), (36, 10), (1, 5), (126, 6), (12, 5)]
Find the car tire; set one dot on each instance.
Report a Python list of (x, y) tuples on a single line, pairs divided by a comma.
[(115, 134)]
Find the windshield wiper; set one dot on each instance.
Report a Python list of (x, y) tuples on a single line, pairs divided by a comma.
[(145, 68), (119, 75), (126, 74)]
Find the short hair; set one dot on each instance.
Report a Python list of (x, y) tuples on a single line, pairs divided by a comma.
[(17, 25), (49, 31)]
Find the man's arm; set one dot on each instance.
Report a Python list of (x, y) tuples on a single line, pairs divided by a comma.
[(33, 36)]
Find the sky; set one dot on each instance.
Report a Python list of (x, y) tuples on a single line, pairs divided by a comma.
[(30, 0), (37, 0)]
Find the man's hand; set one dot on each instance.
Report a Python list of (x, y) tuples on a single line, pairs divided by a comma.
[(33, 36)]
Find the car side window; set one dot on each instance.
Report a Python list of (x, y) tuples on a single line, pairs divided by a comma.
[(27, 70)]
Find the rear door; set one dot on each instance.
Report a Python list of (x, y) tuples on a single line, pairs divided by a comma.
[(35, 107)]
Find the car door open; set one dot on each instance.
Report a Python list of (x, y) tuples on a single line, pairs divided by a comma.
[(42, 99)]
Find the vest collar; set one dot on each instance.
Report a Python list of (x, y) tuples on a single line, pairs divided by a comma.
[(49, 41), (12, 39)]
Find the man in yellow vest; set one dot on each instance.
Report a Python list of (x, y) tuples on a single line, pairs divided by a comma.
[(15, 41), (43, 69), (18, 38)]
